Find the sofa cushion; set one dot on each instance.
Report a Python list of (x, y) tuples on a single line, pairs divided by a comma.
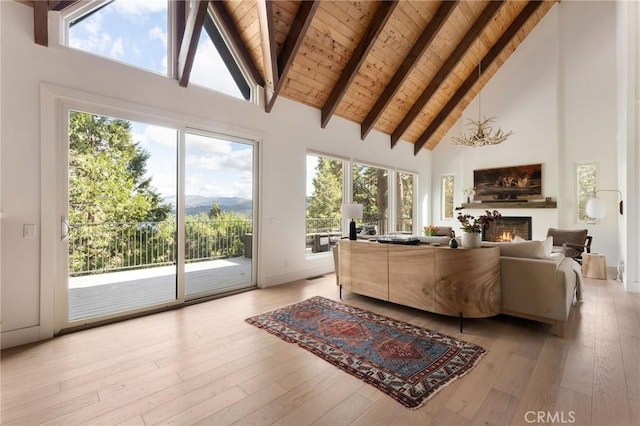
[(528, 249)]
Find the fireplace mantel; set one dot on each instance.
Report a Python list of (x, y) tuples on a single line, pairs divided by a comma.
[(512, 205)]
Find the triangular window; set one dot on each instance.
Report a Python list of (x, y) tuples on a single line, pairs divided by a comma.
[(133, 32), (215, 67), (137, 32)]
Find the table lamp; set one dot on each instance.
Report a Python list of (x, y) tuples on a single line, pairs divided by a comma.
[(352, 211)]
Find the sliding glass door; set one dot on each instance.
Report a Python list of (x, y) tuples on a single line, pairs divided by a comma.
[(219, 207), (121, 222), (152, 216)]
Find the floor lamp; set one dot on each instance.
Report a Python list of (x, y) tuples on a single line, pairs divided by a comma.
[(352, 211), (596, 208)]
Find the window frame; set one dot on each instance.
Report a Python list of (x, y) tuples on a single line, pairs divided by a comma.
[(577, 188), (414, 200), (344, 226), (443, 209)]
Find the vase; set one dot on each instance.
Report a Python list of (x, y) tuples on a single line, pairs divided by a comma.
[(471, 240), (453, 243)]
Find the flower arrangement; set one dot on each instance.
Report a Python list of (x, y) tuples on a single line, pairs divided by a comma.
[(477, 224), (430, 230), (469, 192)]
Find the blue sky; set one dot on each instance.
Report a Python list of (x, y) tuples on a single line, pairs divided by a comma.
[(135, 32)]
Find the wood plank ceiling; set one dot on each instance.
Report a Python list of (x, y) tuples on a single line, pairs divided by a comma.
[(405, 68)]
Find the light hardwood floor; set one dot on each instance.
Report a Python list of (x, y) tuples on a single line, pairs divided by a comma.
[(204, 365)]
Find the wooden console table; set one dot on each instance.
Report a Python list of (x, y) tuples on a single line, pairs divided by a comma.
[(457, 282)]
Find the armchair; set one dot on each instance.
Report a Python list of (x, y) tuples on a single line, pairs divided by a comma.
[(570, 242)]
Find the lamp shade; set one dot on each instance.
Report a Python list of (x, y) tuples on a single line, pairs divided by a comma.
[(352, 211), (595, 208)]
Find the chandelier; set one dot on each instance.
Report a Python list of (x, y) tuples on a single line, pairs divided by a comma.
[(481, 131)]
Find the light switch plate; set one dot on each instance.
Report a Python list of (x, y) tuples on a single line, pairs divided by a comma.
[(29, 231)]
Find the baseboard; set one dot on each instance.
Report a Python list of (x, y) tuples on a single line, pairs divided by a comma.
[(19, 337), (294, 276)]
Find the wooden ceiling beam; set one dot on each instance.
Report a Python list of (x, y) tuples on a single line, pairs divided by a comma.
[(269, 48), (41, 23), (291, 45), (61, 5), (189, 44), (416, 52), (485, 62), (360, 53), (452, 61), (238, 45)]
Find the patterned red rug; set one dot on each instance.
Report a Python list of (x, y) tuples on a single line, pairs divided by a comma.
[(406, 362)]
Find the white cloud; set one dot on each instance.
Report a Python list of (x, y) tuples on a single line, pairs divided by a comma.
[(236, 160), (138, 8), (198, 145), (164, 136), (156, 33), (93, 24), (210, 71), (117, 49)]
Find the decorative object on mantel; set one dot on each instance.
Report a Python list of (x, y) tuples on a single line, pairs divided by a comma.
[(468, 192), (406, 362), (352, 211), (472, 227), (481, 130), (595, 206), (453, 243)]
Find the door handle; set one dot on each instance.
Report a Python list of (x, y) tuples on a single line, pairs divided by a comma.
[(64, 228)]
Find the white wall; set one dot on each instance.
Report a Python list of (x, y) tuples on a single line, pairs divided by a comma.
[(286, 134), (557, 92), (628, 21)]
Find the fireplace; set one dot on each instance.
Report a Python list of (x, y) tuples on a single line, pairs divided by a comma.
[(507, 228)]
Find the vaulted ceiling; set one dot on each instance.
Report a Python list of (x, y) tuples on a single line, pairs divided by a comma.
[(405, 68)]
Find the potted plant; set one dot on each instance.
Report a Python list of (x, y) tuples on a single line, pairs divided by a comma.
[(473, 226), (430, 230)]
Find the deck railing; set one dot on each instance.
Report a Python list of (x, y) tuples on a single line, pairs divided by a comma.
[(105, 247)]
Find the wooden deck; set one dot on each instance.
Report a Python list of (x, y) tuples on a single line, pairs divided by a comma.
[(95, 295)]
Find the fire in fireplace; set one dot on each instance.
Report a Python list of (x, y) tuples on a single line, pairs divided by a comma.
[(507, 228)]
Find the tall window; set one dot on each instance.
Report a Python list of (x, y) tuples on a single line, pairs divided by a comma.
[(371, 189), (446, 196), (404, 201), (324, 202), (585, 188)]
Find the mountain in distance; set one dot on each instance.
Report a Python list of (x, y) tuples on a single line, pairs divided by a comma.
[(195, 204)]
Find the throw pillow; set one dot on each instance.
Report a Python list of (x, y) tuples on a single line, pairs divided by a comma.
[(518, 239), (548, 246)]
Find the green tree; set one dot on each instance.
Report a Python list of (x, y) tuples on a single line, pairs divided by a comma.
[(107, 170), (326, 200), (109, 196), (215, 211), (371, 189)]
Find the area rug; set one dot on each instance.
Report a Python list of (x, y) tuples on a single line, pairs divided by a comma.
[(406, 362)]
